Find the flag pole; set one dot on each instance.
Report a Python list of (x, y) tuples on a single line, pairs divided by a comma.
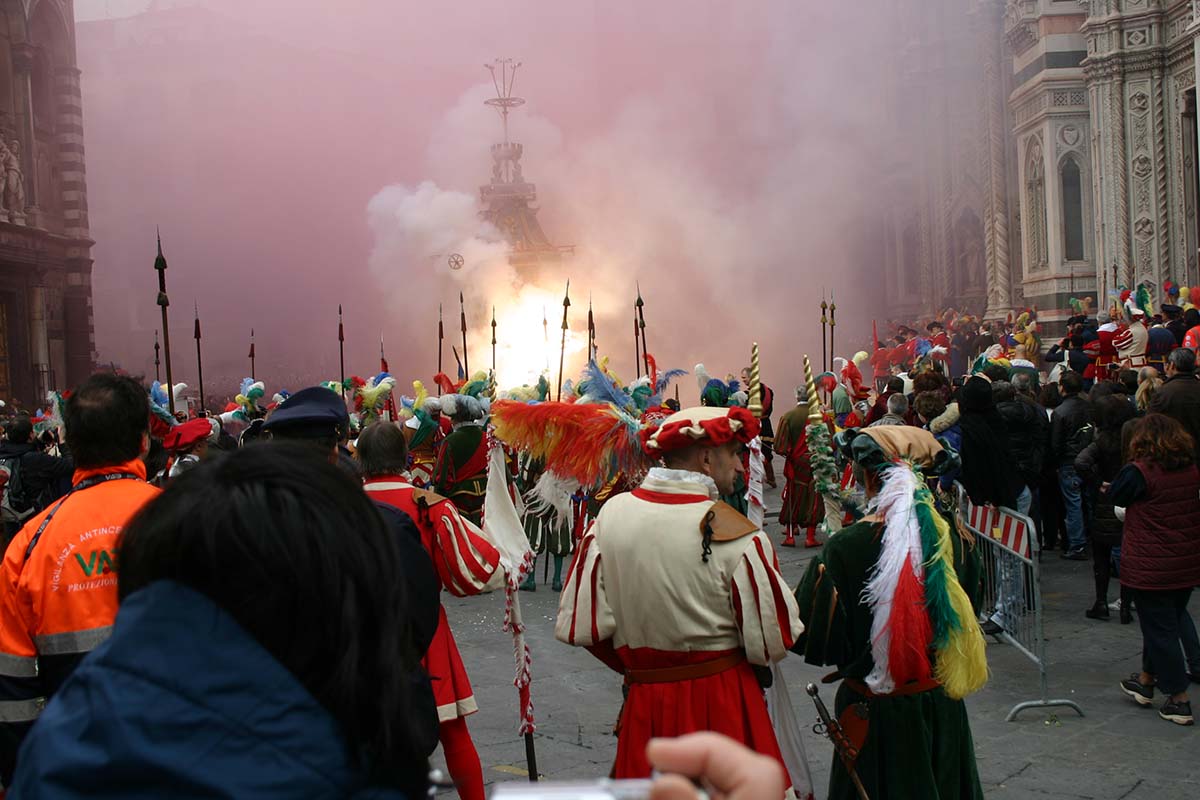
[(493, 341), (462, 315), (591, 331), (160, 264), (641, 310), (637, 344), (832, 326), (441, 339), (253, 375), (157, 377), (824, 322), (562, 352), (199, 358), (342, 350)]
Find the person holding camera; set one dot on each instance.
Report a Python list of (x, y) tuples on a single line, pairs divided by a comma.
[(34, 478)]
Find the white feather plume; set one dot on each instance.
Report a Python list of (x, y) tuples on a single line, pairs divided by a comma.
[(551, 492), (901, 541)]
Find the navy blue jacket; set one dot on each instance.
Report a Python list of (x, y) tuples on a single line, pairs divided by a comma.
[(181, 702)]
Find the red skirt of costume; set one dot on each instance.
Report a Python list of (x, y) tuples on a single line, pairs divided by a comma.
[(730, 703), (802, 504), (451, 690)]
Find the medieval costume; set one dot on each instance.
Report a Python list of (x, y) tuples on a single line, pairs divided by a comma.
[(461, 469), (466, 563), (889, 603), (803, 506), (1131, 343), (424, 431), (682, 595), (549, 530)]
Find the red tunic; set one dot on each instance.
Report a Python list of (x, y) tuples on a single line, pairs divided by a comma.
[(640, 596), (465, 561)]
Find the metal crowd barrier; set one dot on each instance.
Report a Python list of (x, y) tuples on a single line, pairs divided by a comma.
[(1012, 588)]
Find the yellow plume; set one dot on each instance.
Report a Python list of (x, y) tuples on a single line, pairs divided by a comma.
[(962, 664)]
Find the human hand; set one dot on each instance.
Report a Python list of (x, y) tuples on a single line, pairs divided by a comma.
[(725, 768)]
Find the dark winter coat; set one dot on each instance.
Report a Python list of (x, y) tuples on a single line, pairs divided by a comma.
[(182, 702), (44, 477), (1068, 419), (1161, 547), (1097, 464), (1179, 398), (1026, 437)]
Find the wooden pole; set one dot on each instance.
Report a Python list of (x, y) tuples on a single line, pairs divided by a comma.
[(199, 359), (342, 350), (462, 315), (157, 376), (562, 351), (160, 264), (441, 339), (253, 376)]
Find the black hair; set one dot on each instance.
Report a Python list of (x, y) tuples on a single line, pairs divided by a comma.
[(1003, 392), (895, 384), (382, 450), (996, 372), (1129, 380), (1183, 359), (1191, 317), (155, 459), (293, 550), (20, 429), (107, 418), (1071, 383), (929, 382), (1050, 396)]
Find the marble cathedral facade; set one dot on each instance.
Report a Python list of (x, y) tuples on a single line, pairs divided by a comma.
[(1060, 162), (46, 329)]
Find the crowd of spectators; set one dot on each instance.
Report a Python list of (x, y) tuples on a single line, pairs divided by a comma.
[(1105, 466)]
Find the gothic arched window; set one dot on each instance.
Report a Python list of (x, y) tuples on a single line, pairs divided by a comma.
[(1072, 209)]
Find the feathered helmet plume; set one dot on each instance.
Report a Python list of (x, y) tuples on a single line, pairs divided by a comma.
[(923, 626)]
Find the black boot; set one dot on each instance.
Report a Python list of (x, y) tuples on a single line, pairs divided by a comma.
[(1098, 611)]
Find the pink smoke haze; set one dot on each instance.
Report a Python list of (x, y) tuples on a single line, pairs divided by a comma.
[(297, 155)]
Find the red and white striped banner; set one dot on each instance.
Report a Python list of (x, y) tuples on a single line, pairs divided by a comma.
[(1006, 528)]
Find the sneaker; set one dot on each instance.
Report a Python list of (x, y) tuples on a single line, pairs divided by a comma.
[(1179, 713), (1142, 695), (1075, 554)]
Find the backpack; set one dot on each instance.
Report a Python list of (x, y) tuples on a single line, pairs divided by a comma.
[(15, 503), (1081, 438)]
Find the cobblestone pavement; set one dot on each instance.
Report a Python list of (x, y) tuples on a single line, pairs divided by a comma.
[(1118, 751)]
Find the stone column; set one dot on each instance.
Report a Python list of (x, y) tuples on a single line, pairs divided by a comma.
[(69, 140), (995, 223), (39, 344), (22, 58)]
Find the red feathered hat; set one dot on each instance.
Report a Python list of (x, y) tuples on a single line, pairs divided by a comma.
[(189, 434), (707, 425)]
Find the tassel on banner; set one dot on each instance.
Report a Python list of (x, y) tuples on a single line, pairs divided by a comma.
[(757, 512)]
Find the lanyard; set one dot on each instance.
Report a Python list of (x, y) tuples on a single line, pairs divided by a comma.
[(86, 483)]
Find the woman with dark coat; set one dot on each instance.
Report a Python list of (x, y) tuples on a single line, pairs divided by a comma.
[(264, 648), (1160, 555), (1098, 464)]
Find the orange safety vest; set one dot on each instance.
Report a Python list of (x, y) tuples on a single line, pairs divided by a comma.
[(58, 583)]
